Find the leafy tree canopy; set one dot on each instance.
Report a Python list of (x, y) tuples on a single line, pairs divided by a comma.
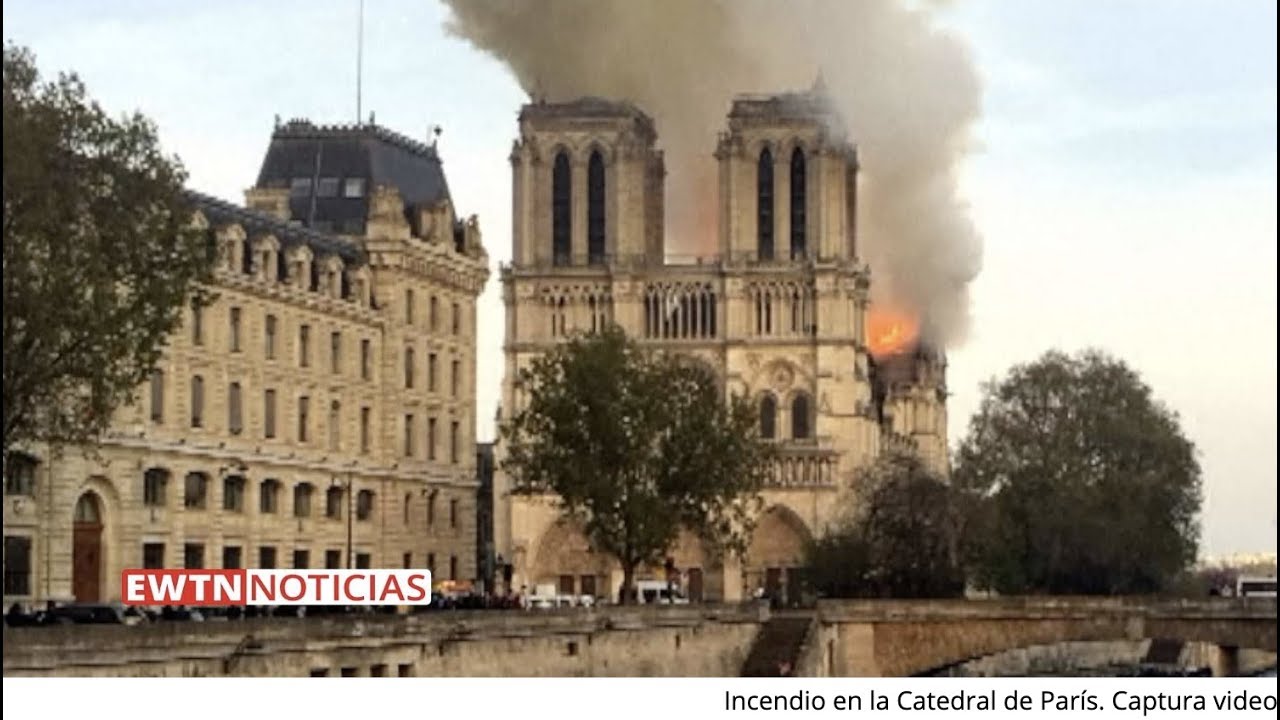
[(635, 445), (899, 539), (100, 256), (1078, 481)]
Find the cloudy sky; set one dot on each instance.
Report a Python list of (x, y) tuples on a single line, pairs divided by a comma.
[(1125, 180)]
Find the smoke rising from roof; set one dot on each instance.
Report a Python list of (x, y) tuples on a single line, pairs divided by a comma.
[(907, 91)]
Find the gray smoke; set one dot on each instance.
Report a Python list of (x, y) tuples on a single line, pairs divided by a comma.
[(907, 91)]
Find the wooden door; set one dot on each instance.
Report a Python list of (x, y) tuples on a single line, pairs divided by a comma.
[(86, 562), (773, 583), (695, 585)]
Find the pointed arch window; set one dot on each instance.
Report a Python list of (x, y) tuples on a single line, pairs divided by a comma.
[(595, 209), (764, 206), (798, 198), (800, 421), (561, 210), (768, 417)]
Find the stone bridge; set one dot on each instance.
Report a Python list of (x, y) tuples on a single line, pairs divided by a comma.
[(891, 638), (840, 638)]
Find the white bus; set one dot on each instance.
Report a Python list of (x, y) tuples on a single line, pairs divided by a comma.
[(1256, 587)]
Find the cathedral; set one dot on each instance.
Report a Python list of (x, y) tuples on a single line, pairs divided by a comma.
[(780, 311)]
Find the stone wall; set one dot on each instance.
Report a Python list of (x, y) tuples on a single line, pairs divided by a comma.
[(678, 642)]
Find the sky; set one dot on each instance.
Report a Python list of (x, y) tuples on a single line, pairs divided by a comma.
[(1124, 178)]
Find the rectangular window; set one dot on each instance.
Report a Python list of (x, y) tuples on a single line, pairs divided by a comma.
[(235, 409), (335, 426), (408, 368), (332, 559), (269, 496), (453, 442), (300, 187), (302, 500), (453, 567), (453, 513), (408, 560), (304, 346), (408, 307), (327, 187), (197, 324), (269, 414), (431, 438), (431, 372), (20, 475), (335, 352), (431, 563), (301, 559), (231, 557), (304, 409), (366, 360), (408, 436), (404, 670), (17, 565), (267, 557), (157, 396), (435, 313), (457, 318), (235, 329), (364, 430), (233, 494), (193, 556), (377, 670), (455, 368), (353, 188), (363, 561), (153, 556), (269, 338), (197, 401)]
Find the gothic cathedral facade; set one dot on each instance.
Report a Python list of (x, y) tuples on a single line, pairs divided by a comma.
[(779, 311)]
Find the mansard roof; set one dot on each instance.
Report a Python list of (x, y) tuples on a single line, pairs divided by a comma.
[(301, 149), (220, 212)]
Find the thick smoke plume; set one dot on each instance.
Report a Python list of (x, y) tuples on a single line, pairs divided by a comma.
[(907, 91)]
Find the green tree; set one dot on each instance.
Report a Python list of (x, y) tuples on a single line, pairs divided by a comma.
[(635, 445), (1077, 481), (100, 256), (899, 540)]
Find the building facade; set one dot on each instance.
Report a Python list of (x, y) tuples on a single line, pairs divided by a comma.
[(779, 311), (320, 412)]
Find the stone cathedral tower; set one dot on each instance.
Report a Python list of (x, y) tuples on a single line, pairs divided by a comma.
[(779, 312)]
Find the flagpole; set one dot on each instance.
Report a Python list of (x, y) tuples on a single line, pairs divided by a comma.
[(359, 63)]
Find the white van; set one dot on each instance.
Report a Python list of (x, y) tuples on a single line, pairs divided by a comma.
[(657, 592)]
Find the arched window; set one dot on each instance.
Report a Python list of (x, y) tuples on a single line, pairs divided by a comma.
[(561, 210), (798, 198), (595, 209), (800, 416), (86, 510), (764, 206), (768, 417)]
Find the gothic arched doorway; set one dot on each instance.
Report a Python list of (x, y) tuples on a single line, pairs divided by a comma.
[(775, 558), (86, 549)]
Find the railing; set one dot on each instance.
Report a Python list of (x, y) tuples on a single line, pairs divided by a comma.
[(804, 462), (641, 261)]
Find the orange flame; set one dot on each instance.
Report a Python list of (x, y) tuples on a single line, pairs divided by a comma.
[(890, 331)]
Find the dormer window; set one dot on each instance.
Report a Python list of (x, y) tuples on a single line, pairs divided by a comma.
[(327, 187), (300, 187), (353, 188)]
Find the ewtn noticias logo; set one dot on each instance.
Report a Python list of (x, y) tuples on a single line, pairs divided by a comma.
[(275, 587)]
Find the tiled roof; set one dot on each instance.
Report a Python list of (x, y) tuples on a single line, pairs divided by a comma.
[(220, 212)]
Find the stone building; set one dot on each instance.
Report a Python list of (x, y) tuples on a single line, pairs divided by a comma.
[(319, 413), (779, 311)]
